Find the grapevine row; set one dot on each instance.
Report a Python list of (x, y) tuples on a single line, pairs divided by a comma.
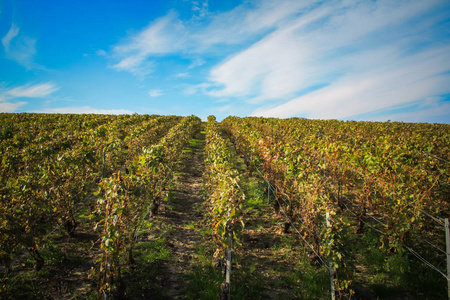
[(45, 182), (319, 167), (224, 193), (128, 197)]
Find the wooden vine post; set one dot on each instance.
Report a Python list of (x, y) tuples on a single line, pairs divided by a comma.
[(230, 247), (104, 167), (333, 292), (447, 241)]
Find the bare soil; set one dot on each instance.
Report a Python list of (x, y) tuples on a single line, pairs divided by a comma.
[(183, 213)]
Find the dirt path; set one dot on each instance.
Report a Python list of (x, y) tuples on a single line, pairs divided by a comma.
[(184, 215)]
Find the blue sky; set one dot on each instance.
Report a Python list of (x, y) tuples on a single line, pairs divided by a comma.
[(349, 60)]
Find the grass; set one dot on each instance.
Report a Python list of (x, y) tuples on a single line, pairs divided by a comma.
[(206, 232), (309, 282), (247, 282), (203, 279), (152, 251), (390, 275), (191, 225), (197, 142), (23, 286), (52, 254), (254, 192), (143, 279), (204, 282)]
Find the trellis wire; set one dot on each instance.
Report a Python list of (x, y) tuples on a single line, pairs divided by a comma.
[(406, 247), (293, 226), (379, 231)]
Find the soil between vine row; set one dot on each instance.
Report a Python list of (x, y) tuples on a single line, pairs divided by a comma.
[(182, 215)]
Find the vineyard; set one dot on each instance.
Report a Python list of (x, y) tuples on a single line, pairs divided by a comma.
[(169, 207)]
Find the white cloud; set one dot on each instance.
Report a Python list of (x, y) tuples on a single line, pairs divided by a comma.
[(248, 21), (160, 37), (322, 59), (33, 91), (10, 107), (21, 49), (182, 75), (155, 93), (200, 10), (431, 110), (357, 57), (12, 33), (197, 88), (169, 34), (101, 52), (223, 109), (304, 52), (272, 67), (221, 100), (7, 96), (84, 110), (395, 81), (196, 63)]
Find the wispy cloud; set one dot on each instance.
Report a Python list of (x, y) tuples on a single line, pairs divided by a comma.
[(196, 63), (12, 33), (169, 34), (21, 49), (396, 80), (248, 21), (200, 9), (160, 37), (10, 107), (273, 67), (33, 91), (224, 109), (155, 93), (432, 110), (197, 88), (182, 75), (101, 52), (342, 60), (320, 59), (9, 96), (84, 110)]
